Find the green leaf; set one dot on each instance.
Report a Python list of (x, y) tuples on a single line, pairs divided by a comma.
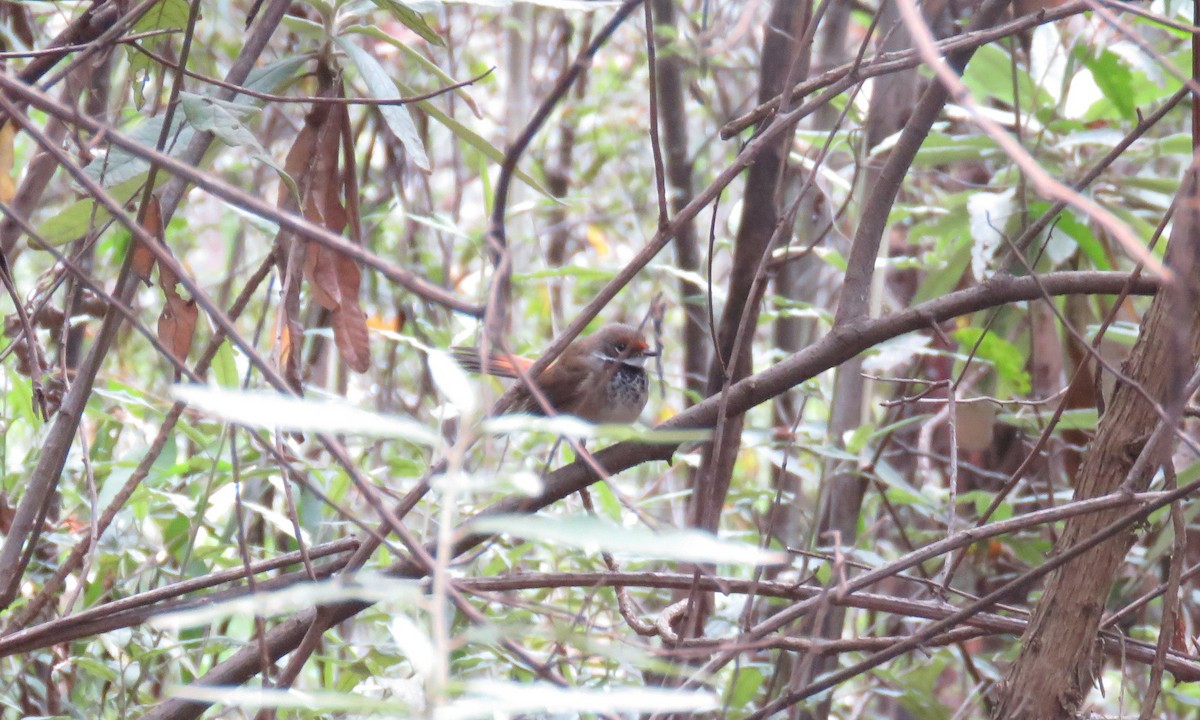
[(1114, 79), (80, 217), (946, 271), (573, 427), (578, 272), (271, 78), (607, 501), (1081, 419), (990, 73), (227, 122), (858, 438), (305, 28), (412, 19), (942, 148), (381, 87), (166, 15), (118, 165), (1067, 223), (748, 685), (1007, 360), (425, 63), (474, 139), (224, 367)]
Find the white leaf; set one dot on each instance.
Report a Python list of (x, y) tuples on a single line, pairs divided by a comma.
[(989, 213), (367, 587), (592, 534), (891, 354), (584, 5), (453, 382), (490, 699), (269, 409)]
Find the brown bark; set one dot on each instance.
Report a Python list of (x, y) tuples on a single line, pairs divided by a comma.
[(678, 162), (760, 215), (1058, 662), (843, 487)]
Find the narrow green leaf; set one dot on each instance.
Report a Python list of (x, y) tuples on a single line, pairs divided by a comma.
[(475, 140), (380, 86), (271, 78), (224, 367), (412, 19)]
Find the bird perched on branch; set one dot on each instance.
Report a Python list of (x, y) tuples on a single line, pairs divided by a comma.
[(600, 378)]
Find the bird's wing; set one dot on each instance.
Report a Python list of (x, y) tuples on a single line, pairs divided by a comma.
[(564, 385), (471, 360)]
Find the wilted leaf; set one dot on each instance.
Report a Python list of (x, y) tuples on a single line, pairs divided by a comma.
[(143, 258), (290, 337), (350, 336), (976, 425), (177, 325), (8, 183), (326, 184), (321, 272), (298, 159)]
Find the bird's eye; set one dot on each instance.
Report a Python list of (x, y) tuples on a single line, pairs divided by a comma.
[(620, 347)]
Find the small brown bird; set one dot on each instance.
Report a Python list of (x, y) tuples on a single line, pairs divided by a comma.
[(600, 378)]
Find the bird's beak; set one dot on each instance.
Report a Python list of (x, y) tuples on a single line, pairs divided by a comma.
[(644, 349)]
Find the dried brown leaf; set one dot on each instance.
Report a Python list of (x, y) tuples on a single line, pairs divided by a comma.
[(290, 341), (321, 272), (327, 184), (349, 321), (143, 258), (177, 324), (8, 183), (350, 335), (296, 164)]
